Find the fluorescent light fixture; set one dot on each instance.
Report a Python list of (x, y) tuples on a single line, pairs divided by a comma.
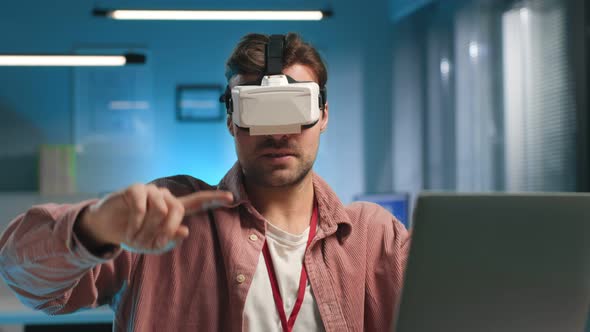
[(445, 68), (214, 15), (473, 50), (524, 14), (70, 60)]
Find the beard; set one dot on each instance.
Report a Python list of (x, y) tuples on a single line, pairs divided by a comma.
[(276, 177), (265, 174)]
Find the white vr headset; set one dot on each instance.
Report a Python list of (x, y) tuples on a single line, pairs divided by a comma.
[(275, 103)]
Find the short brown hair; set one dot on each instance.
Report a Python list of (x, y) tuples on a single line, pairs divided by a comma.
[(248, 56)]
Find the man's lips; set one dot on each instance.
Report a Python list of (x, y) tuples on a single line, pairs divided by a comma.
[(277, 153)]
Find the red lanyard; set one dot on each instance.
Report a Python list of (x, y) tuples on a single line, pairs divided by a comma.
[(276, 293)]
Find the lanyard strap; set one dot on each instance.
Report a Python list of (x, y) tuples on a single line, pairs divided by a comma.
[(276, 293)]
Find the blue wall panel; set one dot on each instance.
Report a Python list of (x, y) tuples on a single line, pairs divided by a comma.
[(36, 104)]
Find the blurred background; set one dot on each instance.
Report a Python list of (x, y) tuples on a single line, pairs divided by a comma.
[(453, 95)]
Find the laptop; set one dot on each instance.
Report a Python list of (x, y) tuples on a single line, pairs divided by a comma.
[(498, 262)]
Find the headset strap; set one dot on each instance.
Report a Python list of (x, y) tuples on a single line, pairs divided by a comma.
[(274, 55), (274, 66)]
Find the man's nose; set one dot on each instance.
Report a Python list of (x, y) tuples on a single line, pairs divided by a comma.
[(279, 137)]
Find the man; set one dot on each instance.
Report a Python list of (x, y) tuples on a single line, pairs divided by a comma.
[(270, 248)]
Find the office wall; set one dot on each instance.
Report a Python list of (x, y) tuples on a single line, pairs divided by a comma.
[(403, 8), (36, 104)]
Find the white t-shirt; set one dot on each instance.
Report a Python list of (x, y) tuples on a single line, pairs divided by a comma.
[(260, 312)]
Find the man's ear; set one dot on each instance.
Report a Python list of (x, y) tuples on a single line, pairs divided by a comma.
[(230, 126), (324, 119)]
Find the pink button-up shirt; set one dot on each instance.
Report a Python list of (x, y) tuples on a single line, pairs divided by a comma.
[(355, 265)]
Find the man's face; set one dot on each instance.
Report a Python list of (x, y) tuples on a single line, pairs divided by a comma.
[(278, 160)]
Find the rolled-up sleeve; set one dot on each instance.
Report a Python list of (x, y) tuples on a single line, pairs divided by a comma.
[(48, 267)]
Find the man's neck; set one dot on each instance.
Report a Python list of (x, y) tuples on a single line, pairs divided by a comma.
[(288, 208)]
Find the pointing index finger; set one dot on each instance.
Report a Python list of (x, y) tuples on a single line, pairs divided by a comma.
[(203, 200)]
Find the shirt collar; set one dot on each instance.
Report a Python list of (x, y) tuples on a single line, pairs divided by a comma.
[(333, 216)]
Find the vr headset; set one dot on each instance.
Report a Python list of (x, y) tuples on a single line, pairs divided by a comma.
[(275, 103)]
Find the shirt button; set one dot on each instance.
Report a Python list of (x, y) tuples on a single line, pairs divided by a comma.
[(240, 278), (253, 237)]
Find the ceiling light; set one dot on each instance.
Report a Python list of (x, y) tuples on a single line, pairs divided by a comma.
[(214, 15), (70, 60)]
